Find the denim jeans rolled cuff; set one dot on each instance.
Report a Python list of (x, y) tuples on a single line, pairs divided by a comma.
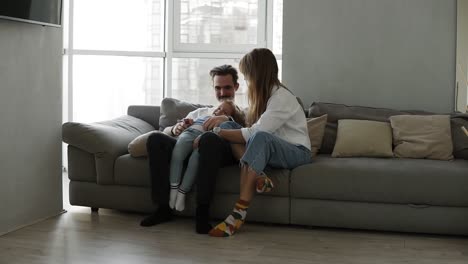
[(265, 149)]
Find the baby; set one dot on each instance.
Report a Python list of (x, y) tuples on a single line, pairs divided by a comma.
[(183, 148)]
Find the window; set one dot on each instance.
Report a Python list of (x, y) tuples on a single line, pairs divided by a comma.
[(123, 52), (219, 26)]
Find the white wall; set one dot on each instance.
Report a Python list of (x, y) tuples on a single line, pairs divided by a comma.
[(30, 121), (385, 53)]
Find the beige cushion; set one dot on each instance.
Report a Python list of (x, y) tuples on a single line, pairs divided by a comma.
[(416, 136), (363, 138), (137, 148), (316, 128)]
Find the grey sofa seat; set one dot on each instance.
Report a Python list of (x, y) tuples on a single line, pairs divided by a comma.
[(131, 171), (395, 181)]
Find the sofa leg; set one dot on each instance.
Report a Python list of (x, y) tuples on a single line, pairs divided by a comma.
[(94, 209)]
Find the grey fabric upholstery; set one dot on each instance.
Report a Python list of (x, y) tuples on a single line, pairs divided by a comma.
[(396, 181), (106, 140), (340, 111), (81, 165), (384, 194), (132, 171), (135, 172), (173, 109), (380, 216), (148, 113)]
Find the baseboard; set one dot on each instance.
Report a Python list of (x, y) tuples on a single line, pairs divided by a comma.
[(34, 222)]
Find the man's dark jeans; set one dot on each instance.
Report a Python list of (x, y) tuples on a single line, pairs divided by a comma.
[(214, 154)]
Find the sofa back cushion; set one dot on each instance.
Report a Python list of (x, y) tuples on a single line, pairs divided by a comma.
[(363, 138), (173, 110), (340, 111), (416, 136)]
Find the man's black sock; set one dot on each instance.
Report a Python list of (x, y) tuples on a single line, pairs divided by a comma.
[(202, 219), (163, 214)]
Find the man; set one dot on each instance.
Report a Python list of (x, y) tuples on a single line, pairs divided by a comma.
[(214, 153)]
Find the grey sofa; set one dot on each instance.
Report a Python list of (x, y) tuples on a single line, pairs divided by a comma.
[(409, 195)]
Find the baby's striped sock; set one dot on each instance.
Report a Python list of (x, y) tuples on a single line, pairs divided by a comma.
[(173, 195), (233, 222)]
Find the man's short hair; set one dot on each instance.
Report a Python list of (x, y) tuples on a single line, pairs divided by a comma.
[(225, 70)]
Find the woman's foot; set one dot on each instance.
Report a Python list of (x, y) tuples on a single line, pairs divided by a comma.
[(233, 222), (263, 184)]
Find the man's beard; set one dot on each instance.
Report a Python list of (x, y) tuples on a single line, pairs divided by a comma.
[(224, 98)]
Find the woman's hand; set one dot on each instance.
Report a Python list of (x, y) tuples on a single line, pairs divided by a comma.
[(214, 121)]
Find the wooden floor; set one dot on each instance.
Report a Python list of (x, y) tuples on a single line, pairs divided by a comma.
[(109, 237), (80, 236)]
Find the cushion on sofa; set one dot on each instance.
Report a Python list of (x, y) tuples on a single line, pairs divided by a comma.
[(340, 111), (363, 138), (316, 129), (374, 180), (137, 147), (416, 136), (173, 109)]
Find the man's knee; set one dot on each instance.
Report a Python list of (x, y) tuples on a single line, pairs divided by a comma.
[(158, 141), (209, 140)]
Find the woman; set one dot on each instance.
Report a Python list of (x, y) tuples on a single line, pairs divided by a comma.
[(276, 134)]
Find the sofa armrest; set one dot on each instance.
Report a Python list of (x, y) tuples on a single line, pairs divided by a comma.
[(107, 140)]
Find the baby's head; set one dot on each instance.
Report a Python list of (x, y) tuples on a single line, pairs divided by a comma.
[(227, 107)]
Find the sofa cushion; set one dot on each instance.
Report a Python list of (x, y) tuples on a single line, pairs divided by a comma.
[(399, 181), (135, 172), (173, 109), (340, 111), (137, 147), (316, 129), (416, 136), (131, 171), (363, 138)]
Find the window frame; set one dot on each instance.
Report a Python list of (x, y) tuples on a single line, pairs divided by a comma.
[(171, 48)]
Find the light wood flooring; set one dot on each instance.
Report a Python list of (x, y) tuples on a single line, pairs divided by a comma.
[(109, 237)]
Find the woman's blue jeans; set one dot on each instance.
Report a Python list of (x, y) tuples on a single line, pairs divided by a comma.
[(265, 149)]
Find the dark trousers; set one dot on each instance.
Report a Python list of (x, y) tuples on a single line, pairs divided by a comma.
[(214, 154)]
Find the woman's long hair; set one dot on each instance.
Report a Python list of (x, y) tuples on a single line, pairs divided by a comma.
[(261, 72)]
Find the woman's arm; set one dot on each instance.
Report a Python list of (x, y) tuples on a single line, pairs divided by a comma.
[(232, 135)]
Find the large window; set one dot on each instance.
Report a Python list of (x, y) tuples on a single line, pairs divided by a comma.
[(123, 52)]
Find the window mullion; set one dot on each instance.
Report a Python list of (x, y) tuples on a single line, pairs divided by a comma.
[(269, 24)]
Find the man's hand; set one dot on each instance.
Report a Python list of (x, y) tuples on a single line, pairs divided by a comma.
[(214, 121), (179, 127)]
